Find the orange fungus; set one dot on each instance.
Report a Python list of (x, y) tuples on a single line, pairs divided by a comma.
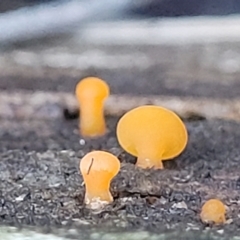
[(213, 211), (91, 94), (153, 134), (98, 168)]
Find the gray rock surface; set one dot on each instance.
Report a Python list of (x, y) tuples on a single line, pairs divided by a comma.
[(41, 185)]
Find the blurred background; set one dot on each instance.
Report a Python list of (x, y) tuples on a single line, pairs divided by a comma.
[(141, 47), (154, 8), (26, 19)]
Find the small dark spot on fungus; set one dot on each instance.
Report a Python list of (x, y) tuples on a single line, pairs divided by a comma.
[(90, 166)]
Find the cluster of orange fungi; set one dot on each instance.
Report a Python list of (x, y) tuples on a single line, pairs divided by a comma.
[(151, 133)]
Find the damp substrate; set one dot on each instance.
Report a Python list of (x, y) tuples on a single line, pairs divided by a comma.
[(40, 183)]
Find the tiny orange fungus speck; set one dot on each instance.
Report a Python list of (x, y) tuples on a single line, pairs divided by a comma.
[(91, 94), (213, 211), (98, 168), (153, 134)]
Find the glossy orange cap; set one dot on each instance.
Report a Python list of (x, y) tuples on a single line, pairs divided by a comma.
[(153, 134)]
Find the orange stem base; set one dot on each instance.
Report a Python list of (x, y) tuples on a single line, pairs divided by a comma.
[(149, 163)]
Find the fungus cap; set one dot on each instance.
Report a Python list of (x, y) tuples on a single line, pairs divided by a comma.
[(213, 211), (152, 132), (97, 161), (92, 87), (98, 168)]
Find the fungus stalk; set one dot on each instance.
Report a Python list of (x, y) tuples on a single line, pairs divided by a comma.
[(143, 162), (92, 121), (98, 191), (148, 159)]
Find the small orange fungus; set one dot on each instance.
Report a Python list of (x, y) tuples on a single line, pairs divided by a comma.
[(98, 168), (91, 93), (213, 211), (153, 134)]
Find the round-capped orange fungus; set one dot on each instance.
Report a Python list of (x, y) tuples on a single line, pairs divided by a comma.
[(91, 94), (213, 211), (98, 168), (153, 134)]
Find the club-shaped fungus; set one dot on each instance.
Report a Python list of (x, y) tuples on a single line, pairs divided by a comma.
[(153, 134), (98, 168), (91, 94), (213, 211)]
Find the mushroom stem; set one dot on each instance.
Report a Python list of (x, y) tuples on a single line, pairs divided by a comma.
[(103, 196), (92, 121), (97, 190), (149, 156), (144, 162)]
